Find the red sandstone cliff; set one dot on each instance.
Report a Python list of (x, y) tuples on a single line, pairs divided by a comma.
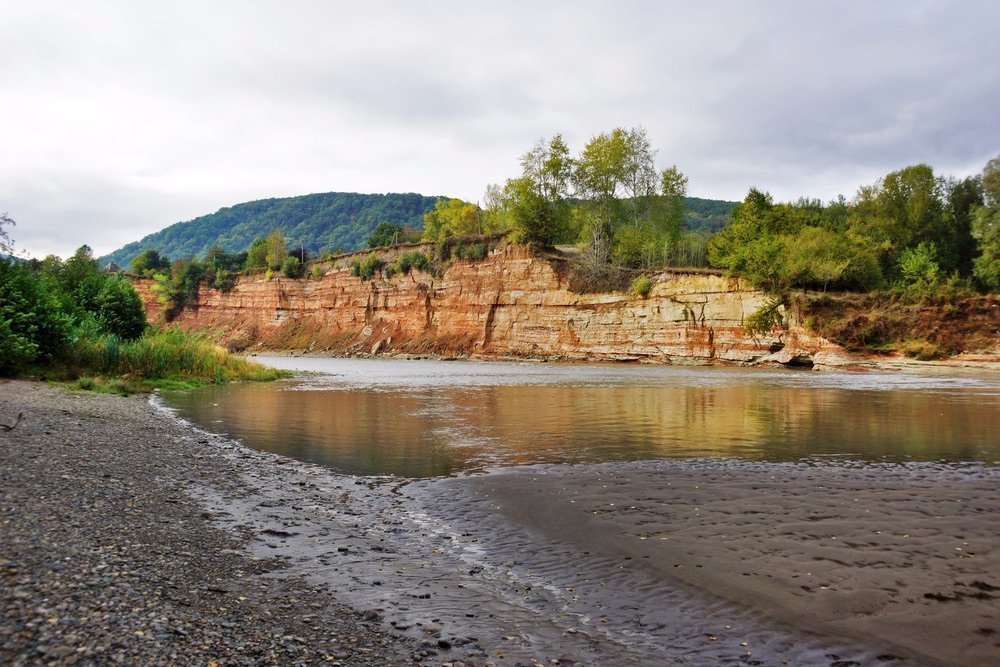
[(513, 303)]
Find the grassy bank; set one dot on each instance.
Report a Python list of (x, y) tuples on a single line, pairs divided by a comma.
[(162, 358)]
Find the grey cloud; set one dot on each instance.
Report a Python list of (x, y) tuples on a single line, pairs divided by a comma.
[(163, 112)]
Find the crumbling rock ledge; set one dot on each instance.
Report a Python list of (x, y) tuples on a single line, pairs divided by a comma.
[(514, 303)]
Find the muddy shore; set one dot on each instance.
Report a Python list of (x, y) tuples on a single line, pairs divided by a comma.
[(132, 538)]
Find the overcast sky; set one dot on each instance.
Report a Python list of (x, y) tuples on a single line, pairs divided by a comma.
[(120, 118)]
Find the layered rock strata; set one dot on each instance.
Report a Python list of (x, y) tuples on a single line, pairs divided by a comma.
[(512, 303)]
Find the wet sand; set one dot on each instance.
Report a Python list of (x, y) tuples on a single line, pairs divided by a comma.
[(902, 559)]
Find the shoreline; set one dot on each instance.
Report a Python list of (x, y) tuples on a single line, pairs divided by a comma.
[(107, 558), (112, 505), (823, 361)]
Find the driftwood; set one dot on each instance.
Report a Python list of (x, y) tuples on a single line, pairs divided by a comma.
[(11, 427)]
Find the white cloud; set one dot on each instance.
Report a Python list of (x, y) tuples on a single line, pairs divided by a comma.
[(131, 116)]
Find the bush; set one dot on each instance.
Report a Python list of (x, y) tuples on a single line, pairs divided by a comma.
[(642, 286), (120, 310), (33, 326), (293, 267), (764, 318), (367, 268), (410, 260)]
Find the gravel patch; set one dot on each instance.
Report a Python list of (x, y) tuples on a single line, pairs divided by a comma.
[(107, 558)]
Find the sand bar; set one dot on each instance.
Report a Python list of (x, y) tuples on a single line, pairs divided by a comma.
[(904, 559)]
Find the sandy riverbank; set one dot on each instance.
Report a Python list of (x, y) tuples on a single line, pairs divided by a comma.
[(904, 559)]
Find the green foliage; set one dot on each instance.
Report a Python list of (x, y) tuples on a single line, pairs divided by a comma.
[(412, 259), (119, 310), (317, 221), (385, 234), (986, 227), (777, 246), (164, 354), (642, 286), (452, 217), (34, 328), (293, 268), (6, 243), (45, 307), (179, 288), (768, 316), (148, 263), (366, 268), (919, 269)]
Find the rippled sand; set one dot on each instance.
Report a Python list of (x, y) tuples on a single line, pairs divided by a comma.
[(900, 563)]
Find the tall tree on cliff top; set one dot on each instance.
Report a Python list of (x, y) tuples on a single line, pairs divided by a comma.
[(986, 229), (536, 203), (451, 217)]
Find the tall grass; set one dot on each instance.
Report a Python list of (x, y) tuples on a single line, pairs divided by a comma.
[(168, 354)]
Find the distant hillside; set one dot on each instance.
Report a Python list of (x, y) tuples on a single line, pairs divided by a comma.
[(327, 221), (707, 214)]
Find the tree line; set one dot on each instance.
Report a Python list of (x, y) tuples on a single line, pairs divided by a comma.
[(48, 306), (912, 228)]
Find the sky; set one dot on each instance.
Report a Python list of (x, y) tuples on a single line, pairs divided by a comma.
[(118, 119)]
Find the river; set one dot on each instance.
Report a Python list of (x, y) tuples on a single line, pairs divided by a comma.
[(532, 513), (437, 418)]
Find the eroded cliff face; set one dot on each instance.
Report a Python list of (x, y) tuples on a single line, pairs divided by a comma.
[(513, 303)]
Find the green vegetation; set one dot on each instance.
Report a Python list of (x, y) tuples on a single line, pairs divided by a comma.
[(642, 286), (328, 221), (366, 268), (912, 232), (72, 321)]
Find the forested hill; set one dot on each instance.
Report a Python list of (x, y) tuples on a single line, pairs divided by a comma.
[(709, 215), (334, 221), (326, 221)]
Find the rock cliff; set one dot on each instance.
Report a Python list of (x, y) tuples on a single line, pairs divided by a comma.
[(512, 303)]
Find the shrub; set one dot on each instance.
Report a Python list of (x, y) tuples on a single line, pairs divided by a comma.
[(293, 267), (367, 268), (642, 286), (120, 310), (410, 260), (764, 318)]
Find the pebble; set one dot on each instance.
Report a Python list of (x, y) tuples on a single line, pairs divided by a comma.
[(106, 560)]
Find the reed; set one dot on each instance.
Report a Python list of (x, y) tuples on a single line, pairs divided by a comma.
[(166, 356)]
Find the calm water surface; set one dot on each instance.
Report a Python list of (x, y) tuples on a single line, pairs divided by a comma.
[(432, 418)]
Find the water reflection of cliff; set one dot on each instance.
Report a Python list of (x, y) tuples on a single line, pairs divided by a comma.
[(442, 430)]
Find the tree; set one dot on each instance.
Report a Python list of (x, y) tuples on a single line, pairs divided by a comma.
[(120, 311), (6, 242), (985, 228), (903, 210), (267, 252), (451, 217), (293, 268), (33, 327), (536, 203), (276, 249), (919, 268), (384, 234), (149, 262)]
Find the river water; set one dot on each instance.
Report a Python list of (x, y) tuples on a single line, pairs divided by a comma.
[(602, 484), (422, 419)]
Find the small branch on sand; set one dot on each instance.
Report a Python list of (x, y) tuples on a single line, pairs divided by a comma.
[(11, 427)]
